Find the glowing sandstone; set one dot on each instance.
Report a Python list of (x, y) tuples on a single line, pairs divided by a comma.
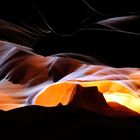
[(31, 79)]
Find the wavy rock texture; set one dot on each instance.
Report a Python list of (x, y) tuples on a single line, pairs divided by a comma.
[(31, 79)]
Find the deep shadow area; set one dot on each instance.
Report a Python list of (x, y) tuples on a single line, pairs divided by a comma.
[(110, 48), (65, 123)]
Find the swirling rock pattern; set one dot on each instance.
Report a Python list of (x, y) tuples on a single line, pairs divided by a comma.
[(27, 79)]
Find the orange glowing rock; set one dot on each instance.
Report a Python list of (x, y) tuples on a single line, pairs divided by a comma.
[(65, 94)]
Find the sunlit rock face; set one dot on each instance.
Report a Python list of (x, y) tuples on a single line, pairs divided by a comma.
[(30, 79)]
